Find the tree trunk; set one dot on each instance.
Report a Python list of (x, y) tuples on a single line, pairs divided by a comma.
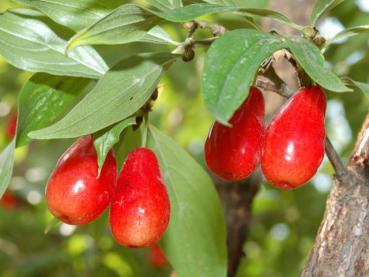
[(341, 247)]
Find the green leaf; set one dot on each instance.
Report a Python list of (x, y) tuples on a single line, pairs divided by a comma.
[(224, 2), (74, 14), (321, 6), (272, 14), (158, 35), (128, 23), (240, 3), (191, 12), (312, 61), (363, 87), (230, 68), (43, 98), (29, 44), (6, 166), (165, 4), (195, 241), (118, 94), (106, 141), (130, 139), (349, 32)]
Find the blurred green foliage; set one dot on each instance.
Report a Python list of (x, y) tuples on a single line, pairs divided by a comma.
[(284, 224)]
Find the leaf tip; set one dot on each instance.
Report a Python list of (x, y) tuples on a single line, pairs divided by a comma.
[(38, 134), (71, 44)]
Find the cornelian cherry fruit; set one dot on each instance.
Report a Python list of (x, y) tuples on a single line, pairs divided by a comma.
[(294, 142), (9, 201), (233, 153), (157, 257), (11, 126), (75, 193), (140, 206)]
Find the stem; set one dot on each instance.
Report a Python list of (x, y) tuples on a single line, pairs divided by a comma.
[(145, 127), (51, 224)]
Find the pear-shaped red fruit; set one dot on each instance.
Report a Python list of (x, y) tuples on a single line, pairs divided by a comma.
[(234, 152), (76, 193), (157, 257), (140, 206), (9, 201), (294, 141), (11, 126)]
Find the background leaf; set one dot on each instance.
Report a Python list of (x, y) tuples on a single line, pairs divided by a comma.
[(240, 3), (274, 15), (106, 141), (43, 98), (159, 36), (29, 44), (117, 95), (349, 32), (312, 61), (165, 4), (74, 14), (6, 166), (240, 53), (363, 87), (321, 6), (193, 11), (195, 241), (130, 139), (125, 24)]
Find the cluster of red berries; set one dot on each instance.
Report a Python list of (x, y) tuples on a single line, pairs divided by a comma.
[(290, 149), (139, 204)]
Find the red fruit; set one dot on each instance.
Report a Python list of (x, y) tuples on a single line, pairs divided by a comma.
[(11, 126), (9, 201), (294, 142), (157, 257), (234, 152), (75, 193), (140, 207)]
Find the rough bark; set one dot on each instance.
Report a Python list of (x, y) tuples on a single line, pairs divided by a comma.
[(341, 247)]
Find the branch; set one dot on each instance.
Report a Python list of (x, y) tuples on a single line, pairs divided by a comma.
[(360, 155), (267, 85), (334, 158), (216, 29), (341, 246), (237, 198)]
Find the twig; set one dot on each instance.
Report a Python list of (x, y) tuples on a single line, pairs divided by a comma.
[(281, 89), (334, 158), (206, 41)]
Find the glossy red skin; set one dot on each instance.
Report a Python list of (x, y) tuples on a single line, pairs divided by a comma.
[(74, 193), (233, 153), (140, 207), (9, 201), (11, 126), (157, 257), (294, 142)]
